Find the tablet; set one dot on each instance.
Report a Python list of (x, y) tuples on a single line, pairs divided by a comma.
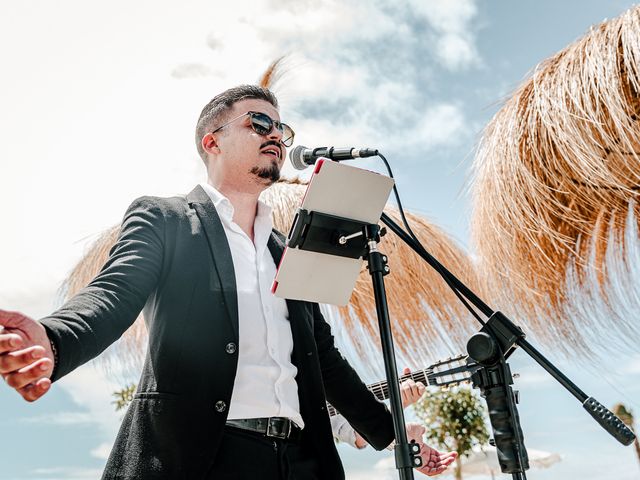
[(342, 191)]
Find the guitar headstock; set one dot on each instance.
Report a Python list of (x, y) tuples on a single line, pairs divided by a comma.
[(452, 371)]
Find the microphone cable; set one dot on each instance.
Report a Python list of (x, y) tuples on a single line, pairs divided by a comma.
[(448, 277)]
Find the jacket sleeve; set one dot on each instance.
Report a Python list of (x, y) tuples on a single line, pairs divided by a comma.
[(346, 391), (100, 313)]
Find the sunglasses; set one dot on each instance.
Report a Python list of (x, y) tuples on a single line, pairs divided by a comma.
[(263, 125)]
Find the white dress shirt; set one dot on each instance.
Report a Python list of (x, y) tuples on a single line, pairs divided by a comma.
[(343, 431), (265, 384)]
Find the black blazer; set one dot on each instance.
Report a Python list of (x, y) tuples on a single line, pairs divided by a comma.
[(172, 259)]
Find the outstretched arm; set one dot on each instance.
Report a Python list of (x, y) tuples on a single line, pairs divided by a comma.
[(91, 320)]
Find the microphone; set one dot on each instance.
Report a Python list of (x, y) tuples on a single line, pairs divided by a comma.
[(301, 157)]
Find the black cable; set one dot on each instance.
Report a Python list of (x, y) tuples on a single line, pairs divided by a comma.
[(395, 193), (448, 277)]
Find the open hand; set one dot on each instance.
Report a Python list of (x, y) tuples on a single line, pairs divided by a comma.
[(26, 359), (433, 461)]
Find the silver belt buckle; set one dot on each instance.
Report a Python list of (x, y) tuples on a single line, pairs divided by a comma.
[(280, 435)]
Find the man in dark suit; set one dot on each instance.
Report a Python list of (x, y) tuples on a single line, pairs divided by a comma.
[(235, 380)]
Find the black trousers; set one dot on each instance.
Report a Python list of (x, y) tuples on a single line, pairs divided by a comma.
[(248, 455)]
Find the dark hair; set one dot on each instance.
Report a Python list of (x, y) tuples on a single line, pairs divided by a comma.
[(215, 110)]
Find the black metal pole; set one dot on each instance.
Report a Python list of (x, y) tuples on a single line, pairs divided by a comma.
[(552, 370), (378, 268)]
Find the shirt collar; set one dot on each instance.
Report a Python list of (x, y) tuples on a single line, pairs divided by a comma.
[(222, 203), (263, 222)]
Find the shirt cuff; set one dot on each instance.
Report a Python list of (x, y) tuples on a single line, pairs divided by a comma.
[(343, 431)]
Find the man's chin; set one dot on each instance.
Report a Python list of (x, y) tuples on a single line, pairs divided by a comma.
[(267, 175)]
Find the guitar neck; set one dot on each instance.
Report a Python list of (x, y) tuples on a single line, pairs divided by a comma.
[(447, 372), (381, 389)]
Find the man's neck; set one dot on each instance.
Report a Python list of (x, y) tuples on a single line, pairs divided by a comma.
[(245, 205)]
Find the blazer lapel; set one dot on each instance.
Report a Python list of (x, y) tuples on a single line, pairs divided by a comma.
[(220, 251)]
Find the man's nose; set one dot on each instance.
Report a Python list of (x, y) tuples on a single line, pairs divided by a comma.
[(276, 135)]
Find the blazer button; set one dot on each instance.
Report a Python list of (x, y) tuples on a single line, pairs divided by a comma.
[(230, 348), (220, 406)]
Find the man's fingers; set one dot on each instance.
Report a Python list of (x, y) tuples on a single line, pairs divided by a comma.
[(434, 462), (12, 319), (409, 384), (34, 391), (10, 342), (411, 392), (406, 371), (29, 374), (12, 361)]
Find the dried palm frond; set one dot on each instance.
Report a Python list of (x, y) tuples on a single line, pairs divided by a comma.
[(556, 176), (427, 320), (272, 74)]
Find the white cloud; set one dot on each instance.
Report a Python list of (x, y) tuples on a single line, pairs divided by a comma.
[(67, 473), (102, 451), (456, 52), (440, 125), (453, 23), (357, 71), (62, 418), (448, 17), (190, 70)]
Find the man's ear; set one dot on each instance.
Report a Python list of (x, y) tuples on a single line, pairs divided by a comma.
[(209, 143)]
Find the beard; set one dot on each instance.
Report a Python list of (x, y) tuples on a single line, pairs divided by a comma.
[(270, 173)]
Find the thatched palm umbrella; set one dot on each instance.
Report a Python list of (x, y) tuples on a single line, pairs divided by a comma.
[(556, 178), (427, 319)]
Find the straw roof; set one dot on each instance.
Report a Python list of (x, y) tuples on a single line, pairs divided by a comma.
[(556, 178)]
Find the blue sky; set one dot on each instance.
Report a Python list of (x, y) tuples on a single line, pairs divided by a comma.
[(99, 101)]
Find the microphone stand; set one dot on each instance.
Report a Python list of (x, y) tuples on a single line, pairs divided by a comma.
[(491, 347), (323, 233), (406, 454)]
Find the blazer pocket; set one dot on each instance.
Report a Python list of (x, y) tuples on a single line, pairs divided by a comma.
[(155, 396)]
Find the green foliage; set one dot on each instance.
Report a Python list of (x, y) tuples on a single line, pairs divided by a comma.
[(454, 418), (124, 396)]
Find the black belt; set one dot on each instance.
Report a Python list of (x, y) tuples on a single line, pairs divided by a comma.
[(276, 427)]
